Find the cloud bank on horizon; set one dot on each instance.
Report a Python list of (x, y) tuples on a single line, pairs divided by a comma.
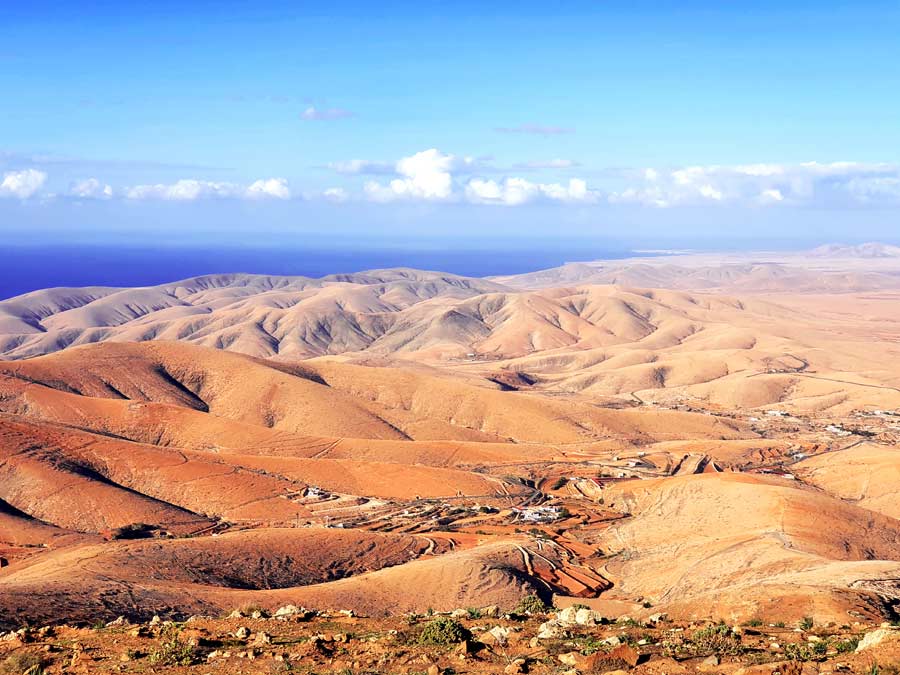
[(436, 177)]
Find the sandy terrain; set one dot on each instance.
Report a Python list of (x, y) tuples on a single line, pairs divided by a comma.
[(399, 441)]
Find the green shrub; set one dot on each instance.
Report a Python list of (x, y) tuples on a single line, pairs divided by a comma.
[(443, 631), (719, 639), (806, 623), (531, 604), (173, 651)]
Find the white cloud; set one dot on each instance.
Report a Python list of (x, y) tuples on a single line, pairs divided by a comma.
[(336, 194), (425, 175), (90, 188), (191, 190), (313, 114), (22, 184), (270, 187), (431, 175), (833, 184), (516, 191)]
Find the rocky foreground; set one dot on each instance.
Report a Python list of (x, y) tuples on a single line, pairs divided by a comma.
[(530, 639)]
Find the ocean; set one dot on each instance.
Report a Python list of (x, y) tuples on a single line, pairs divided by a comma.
[(26, 268)]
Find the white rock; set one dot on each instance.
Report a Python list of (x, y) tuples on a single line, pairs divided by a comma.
[(550, 630), (876, 637)]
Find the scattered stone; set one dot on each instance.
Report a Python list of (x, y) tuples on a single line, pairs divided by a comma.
[(517, 666), (566, 617), (459, 613), (236, 614), (588, 617), (550, 630), (498, 635), (570, 658), (120, 621), (491, 611), (242, 633), (262, 638), (657, 618), (712, 661), (876, 637), (155, 621)]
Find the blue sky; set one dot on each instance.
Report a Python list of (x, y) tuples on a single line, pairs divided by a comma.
[(655, 120)]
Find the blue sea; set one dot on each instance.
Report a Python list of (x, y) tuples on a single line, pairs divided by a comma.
[(26, 268)]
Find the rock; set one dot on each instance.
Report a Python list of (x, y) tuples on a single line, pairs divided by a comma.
[(626, 654), (242, 633), (155, 621), (258, 614), (236, 614), (491, 611), (433, 670), (517, 666), (659, 617), (459, 613), (287, 610), (339, 637), (262, 638), (613, 641), (570, 658), (876, 637), (121, 621), (498, 635), (587, 617), (214, 654), (566, 617), (550, 630), (709, 663)]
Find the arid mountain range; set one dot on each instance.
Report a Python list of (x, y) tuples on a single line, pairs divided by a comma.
[(716, 445)]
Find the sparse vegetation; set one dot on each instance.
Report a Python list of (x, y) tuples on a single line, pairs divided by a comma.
[(717, 640), (24, 663), (531, 604), (806, 623), (443, 631), (172, 650)]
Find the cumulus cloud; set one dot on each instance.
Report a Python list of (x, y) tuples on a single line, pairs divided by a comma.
[(424, 175), (90, 188), (191, 190), (313, 114), (537, 129), (22, 184), (432, 175), (336, 194), (809, 183), (270, 187), (516, 191)]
